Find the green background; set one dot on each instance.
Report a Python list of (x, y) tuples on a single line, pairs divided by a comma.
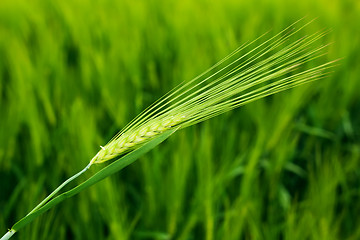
[(73, 73)]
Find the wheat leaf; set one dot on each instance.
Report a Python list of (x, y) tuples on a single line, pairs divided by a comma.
[(100, 175)]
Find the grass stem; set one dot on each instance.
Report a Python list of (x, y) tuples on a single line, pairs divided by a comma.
[(59, 188), (8, 235)]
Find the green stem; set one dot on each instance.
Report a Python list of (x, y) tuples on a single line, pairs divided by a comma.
[(8, 234), (11, 232), (59, 188)]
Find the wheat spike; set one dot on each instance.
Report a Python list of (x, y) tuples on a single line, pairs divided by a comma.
[(253, 71), (128, 141)]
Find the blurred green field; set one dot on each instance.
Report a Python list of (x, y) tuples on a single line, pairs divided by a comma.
[(73, 73)]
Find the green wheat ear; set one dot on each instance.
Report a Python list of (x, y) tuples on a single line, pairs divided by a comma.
[(251, 72), (255, 70)]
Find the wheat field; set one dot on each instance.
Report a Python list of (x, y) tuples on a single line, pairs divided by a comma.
[(72, 74)]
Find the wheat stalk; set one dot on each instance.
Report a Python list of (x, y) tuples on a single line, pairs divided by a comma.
[(253, 71)]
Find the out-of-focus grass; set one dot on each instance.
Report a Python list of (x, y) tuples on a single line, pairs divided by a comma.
[(72, 73)]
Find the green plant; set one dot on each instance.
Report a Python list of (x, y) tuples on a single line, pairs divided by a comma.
[(255, 70)]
